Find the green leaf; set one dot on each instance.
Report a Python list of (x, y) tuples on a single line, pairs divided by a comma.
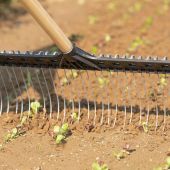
[(65, 127), (119, 154), (35, 106), (168, 161), (94, 50), (64, 81), (135, 44), (96, 166), (145, 127), (23, 120), (92, 19), (60, 139), (56, 129), (102, 81), (74, 116)]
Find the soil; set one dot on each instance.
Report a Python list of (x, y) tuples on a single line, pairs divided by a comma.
[(96, 138)]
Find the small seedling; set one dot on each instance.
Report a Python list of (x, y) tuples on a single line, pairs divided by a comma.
[(111, 6), (94, 50), (136, 43), (75, 116), (102, 82), (137, 7), (147, 24), (165, 166), (13, 134), (60, 133), (73, 74), (64, 81), (119, 154), (60, 139), (23, 120), (145, 127), (163, 81), (35, 106), (97, 166), (92, 19)]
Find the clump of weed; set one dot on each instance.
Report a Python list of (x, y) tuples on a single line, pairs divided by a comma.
[(147, 24), (145, 127), (13, 134), (136, 43), (99, 166), (75, 116), (35, 107), (61, 133), (73, 74), (102, 81), (164, 166), (136, 7), (93, 19)]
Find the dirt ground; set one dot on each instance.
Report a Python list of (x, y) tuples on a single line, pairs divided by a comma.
[(111, 26)]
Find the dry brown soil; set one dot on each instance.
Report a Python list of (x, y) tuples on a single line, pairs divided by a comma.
[(36, 149)]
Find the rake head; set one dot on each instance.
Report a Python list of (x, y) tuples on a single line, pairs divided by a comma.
[(106, 90)]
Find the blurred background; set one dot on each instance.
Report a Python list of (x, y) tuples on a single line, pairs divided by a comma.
[(138, 27)]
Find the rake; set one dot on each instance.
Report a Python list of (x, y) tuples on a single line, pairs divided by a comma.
[(70, 83)]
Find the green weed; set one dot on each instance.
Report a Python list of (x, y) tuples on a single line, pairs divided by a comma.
[(147, 24), (145, 127), (92, 19), (97, 166), (136, 43), (164, 166), (60, 133), (13, 134), (102, 82)]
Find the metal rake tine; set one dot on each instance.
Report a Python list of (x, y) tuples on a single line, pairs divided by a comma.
[(101, 120), (72, 94), (130, 98), (125, 108), (165, 115), (148, 110), (140, 112), (116, 97), (1, 101), (108, 104), (55, 89), (31, 82), (62, 95), (1, 104), (51, 109), (157, 112), (9, 75), (42, 92), (25, 84), (95, 107), (79, 114), (65, 100), (165, 109), (22, 104), (88, 104), (3, 82)]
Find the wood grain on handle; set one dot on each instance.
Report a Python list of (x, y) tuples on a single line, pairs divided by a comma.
[(48, 24)]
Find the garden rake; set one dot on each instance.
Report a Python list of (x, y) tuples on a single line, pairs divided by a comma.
[(73, 84)]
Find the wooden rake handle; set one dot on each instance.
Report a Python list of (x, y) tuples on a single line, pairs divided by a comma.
[(48, 24)]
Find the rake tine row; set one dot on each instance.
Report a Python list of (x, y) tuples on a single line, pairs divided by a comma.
[(116, 100)]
